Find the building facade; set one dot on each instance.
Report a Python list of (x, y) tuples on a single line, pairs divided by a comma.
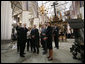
[(17, 11), (6, 20), (77, 9)]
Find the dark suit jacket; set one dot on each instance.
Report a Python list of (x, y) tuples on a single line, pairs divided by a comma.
[(49, 35), (35, 40), (43, 32), (56, 32), (35, 33), (25, 30), (49, 32), (19, 33)]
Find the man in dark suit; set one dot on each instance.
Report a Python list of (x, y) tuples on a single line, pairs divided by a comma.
[(35, 39), (56, 36), (25, 30), (22, 37), (18, 28)]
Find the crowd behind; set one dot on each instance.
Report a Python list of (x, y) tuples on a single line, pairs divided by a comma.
[(33, 38)]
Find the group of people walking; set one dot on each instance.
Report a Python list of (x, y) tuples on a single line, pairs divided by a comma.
[(33, 37)]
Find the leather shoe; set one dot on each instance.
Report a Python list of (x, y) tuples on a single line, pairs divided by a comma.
[(37, 52), (34, 51), (22, 56), (50, 59), (44, 52), (24, 53)]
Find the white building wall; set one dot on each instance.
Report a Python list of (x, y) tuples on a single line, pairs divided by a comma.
[(25, 18), (24, 5), (82, 12), (6, 20), (36, 22)]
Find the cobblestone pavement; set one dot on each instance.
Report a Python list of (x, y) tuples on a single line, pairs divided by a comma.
[(61, 55)]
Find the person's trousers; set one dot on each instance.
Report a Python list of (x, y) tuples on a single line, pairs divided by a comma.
[(45, 46), (42, 43), (28, 44), (18, 45), (35, 46), (31, 46), (21, 48), (56, 40), (24, 44)]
